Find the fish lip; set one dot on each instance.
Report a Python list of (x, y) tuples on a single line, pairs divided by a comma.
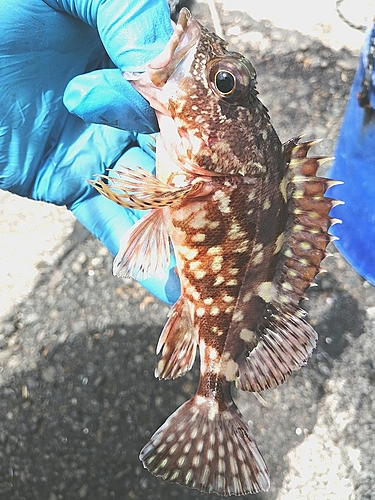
[(186, 33)]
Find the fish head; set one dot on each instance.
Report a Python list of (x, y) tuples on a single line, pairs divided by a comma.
[(205, 100)]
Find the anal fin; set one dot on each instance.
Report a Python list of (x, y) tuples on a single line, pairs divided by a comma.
[(178, 343), (210, 450), (145, 248)]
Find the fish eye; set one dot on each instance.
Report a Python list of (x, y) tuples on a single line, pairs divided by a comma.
[(231, 77), (225, 82)]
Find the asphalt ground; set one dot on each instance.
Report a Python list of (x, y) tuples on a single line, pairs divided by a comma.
[(78, 398)]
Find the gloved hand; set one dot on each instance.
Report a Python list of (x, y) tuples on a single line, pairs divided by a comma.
[(355, 165), (46, 153)]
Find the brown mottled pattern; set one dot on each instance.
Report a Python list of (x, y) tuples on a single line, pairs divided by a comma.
[(247, 220)]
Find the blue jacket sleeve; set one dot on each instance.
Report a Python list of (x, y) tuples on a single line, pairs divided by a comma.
[(354, 164)]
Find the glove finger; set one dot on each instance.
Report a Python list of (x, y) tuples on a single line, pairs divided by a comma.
[(133, 31), (109, 222), (148, 143), (105, 97)]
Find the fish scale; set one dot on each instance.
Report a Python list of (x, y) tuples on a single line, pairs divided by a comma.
[(247, 221)]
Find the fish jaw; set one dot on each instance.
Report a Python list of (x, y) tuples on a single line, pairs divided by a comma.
[(163, 74)]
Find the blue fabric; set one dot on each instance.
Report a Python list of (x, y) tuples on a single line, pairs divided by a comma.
[(76, 50), (354, 164)]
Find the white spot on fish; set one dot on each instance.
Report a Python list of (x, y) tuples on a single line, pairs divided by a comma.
[(175, 475), (232, 282), (173, 448), (228, 298), (188, 253), (220, 435), (287, 286), (200, 273), (213, 224), (200, 221), (194, 265), (216, 263), (242, 247), (267, 203), (264, 290), (238, 316), (221, 466), (200, 445), (231, 370), (223, 200), (258, 258), (200, 312), (199, 237), (251, 195), (283, 189), (213, 353), (170, 438), (247, 297), (214, 311), (247, 335), (233, 465), (219, 280), (216, 250), (279, 243), (235, 232), (208, 301), (212, 413), (193, 292)]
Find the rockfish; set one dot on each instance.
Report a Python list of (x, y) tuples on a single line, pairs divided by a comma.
[(247, 221)]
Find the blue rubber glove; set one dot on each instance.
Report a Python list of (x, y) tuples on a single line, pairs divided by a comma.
[(47, 153), (355, 165)]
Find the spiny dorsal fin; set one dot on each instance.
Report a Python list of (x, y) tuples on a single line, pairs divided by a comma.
[(306, 235), (286, 340)]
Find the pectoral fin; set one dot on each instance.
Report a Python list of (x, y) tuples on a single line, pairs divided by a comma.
[(138, 189), (145, 249)]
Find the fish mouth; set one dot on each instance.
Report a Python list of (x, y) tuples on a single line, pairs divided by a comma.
[(159, 71), (187, 32)]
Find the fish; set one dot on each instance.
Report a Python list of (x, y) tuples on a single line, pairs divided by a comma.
[(247, 222)]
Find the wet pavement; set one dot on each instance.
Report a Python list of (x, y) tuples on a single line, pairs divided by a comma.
[(78, 398)]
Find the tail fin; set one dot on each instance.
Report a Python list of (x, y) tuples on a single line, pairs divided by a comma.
[(201, 447)]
